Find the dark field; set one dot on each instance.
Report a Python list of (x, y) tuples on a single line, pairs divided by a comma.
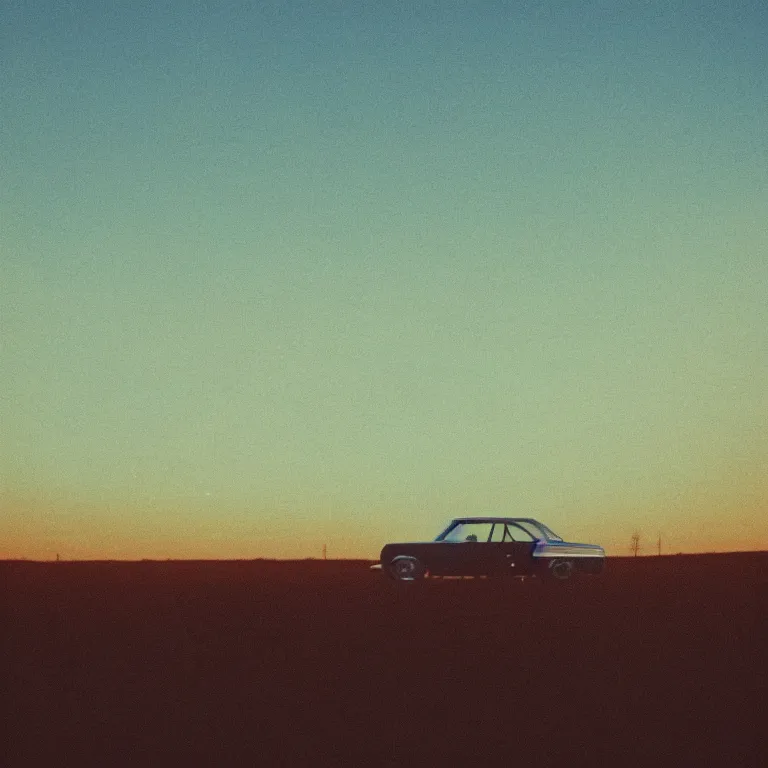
[(659, 661)]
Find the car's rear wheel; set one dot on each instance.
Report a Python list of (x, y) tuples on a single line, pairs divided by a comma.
[(406, 568)]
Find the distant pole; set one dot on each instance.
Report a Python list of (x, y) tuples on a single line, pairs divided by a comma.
[(57, 557), (659, 543), (325, 552)]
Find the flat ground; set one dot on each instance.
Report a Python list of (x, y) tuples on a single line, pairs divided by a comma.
[(659, 661)]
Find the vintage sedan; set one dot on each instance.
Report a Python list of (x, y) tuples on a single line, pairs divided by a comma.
[(492, 546)]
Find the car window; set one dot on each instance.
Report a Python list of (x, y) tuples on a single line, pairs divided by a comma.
[(518, 533), (479, 532), (497, 534)]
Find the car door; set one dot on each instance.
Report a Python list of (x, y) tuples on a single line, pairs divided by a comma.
[(466, 551), (464, 558), (515, 551), (479, 559), (498, 553)]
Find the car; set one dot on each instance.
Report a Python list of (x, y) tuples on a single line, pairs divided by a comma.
[(491, 546)]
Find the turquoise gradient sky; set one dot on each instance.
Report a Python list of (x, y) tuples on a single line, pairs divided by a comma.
[(280, 274)]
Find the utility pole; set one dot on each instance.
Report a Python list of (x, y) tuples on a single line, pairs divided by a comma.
[(325, 552), (658, 543)]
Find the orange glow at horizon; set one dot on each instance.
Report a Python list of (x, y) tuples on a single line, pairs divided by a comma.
[(41, 529)]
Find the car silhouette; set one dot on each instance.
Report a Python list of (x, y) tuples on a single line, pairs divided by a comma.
[(491, 546)]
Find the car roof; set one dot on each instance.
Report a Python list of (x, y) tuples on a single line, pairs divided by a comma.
[(495, 520), (521, 522)]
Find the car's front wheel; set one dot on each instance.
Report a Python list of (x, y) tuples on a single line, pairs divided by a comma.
[(561, 570), (406, 568)]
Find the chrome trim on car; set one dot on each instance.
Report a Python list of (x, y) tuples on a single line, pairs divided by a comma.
[(566, 549)]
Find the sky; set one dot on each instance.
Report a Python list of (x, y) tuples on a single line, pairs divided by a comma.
[(284, 274)]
